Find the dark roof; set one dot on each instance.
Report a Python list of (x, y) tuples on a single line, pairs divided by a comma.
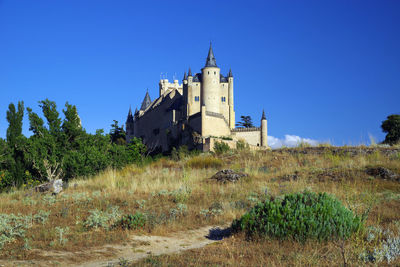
[(230, 73), (263, 116), (146, 101), (223, 79), (176, 105), (130, 116), (211, 62), (190, 72), (185, 76), (197, 77)]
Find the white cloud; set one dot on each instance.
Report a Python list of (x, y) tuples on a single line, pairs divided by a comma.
[(290, 141)]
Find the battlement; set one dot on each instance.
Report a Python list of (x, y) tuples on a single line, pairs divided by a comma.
[(165, 86), (251, 129)]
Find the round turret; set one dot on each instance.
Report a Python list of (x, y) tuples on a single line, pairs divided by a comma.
[(211, 84)]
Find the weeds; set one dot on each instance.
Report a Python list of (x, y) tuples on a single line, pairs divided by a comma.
[(102, 219), (204, 162)]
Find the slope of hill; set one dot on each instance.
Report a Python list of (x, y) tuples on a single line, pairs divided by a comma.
[(169, 196)]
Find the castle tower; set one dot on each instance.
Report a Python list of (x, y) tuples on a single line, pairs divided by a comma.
[(189, 93), (230, 100), (185, 95), (210, 84), (129, 126), (264, 133)]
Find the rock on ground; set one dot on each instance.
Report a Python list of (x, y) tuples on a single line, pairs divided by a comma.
[(228, 176), (383, 173), (54, 187)]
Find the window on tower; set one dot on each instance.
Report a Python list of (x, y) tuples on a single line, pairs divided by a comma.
[(197, 98), (223, 99)]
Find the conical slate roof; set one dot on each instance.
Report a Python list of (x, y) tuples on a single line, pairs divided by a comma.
[(230, 73), (190, 72), (185, 76), (263, 116), (146, 101), (211, 62), (130, 116)]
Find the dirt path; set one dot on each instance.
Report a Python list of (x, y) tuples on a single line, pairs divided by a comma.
[(136, 248)]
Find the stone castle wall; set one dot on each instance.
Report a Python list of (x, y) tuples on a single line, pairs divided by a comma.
[(252, 136)]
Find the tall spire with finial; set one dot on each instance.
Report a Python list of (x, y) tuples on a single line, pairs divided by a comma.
[(211, 62), (185, 76), (146, 101), (230, 73), (190, 72), (263, 116), (130, 116)]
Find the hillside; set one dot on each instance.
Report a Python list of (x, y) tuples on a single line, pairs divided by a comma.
[(174, 195)]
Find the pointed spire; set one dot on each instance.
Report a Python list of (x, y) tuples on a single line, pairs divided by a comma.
[(230, 73), (190, 72), (185, 76), (136, 111), (263, 116), (130, 116), (211, 62), (146, 101)]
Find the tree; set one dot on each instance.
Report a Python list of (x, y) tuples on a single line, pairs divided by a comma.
[(117, 134), (15, 143), (72, 124), (245, 122), (46, 147), (391, 126)]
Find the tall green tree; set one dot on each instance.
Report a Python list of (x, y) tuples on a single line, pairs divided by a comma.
[(117, 134), (15, 142), (46, 147), (391, 126), (245, 122), (71, 125)]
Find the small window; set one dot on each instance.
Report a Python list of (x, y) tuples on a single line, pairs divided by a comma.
[(223, 99), (215, 73), (208, 72), (197, 98)]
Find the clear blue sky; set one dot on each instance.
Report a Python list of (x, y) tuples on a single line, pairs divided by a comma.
[(324, 70)]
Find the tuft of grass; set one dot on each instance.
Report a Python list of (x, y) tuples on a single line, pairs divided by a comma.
[(201, 162)]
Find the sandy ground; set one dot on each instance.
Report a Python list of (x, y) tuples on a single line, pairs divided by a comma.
[(136, 248)]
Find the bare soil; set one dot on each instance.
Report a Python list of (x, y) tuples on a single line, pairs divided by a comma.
[(136, 248)]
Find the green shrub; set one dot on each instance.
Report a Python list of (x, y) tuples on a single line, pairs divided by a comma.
[(131, 221), (221, 147), (300, 216), (201, 162)]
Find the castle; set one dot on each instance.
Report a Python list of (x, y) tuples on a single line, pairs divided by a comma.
[(196, 113)]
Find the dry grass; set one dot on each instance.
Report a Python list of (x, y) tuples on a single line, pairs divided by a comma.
[(164, 186)]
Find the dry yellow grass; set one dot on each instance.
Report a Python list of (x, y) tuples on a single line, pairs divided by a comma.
[(160, 189)]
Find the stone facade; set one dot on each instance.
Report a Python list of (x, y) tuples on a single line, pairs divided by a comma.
[(191, 113)]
